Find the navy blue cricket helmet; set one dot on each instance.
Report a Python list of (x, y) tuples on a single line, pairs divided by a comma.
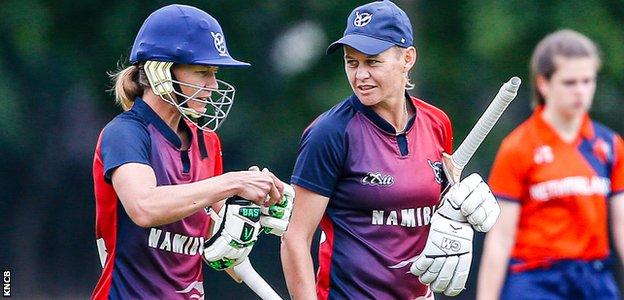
[(185, 35), (181, 34)]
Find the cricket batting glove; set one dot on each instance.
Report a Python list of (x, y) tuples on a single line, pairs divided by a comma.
[(445, 262), (275, 218), (474, 200), (235, 232)]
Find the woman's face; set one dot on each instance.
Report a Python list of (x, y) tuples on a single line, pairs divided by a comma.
[(201, 76), (377, 78), (570, 90)]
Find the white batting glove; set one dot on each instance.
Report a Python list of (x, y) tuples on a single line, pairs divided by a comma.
[(235, 232), (445, 262), (474, 199), (275, 218)]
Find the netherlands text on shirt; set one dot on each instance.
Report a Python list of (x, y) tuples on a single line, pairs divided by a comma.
[(571, 186)]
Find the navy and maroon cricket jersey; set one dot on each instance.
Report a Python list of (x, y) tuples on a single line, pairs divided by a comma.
[(383, 188), (162, 262)]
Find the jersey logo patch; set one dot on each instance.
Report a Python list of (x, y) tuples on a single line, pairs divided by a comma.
[(362, 19), (543, 155), (602, 150), (377, 178), (436, 166)]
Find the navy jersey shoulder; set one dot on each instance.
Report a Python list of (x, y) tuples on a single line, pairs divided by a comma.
[(603, 131), (603, 134), (125, 139), (322, 150)]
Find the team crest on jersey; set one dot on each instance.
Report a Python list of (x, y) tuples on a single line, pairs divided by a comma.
[(377, 178), (362, 19), (543, 155), (602, 150), (436, 166), (219, 43)]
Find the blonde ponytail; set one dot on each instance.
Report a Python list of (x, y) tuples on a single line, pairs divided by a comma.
[(128, 83)]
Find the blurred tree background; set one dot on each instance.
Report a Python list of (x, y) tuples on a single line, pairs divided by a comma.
[(55, 54)]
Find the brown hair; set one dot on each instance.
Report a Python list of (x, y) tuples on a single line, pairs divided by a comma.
[(566, 43), (128, 83)]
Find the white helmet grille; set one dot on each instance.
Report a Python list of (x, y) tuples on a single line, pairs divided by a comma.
[(217, 105)]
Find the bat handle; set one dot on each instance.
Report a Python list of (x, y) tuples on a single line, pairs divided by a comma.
[(255, 282), (491, 115)]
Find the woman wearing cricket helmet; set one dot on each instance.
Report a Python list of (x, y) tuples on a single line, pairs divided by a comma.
[(158, 165), (369, 170), (559, 174)]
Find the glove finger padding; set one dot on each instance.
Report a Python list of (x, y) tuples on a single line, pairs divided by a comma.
[(486, 212), (235, 231), (475, 198), (445, 275), (461, 190), (446, 256), (460, 276), (421, 265), (492, 211), (431, 273), (275, 218)]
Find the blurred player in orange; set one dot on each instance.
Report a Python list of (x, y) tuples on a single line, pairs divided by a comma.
[(558, 173)]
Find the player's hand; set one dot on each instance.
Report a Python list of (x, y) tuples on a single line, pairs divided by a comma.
[(276, 217), (262, 188), (474, 199), (445, 262), (235, 231)]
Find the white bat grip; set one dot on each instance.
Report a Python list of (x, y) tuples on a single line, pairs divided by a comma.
[(468, 147), (255, 282)]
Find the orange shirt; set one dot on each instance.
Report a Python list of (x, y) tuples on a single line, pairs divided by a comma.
[(562, 188)]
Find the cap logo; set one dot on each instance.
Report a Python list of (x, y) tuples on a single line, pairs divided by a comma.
[(362, 19), (219, 43)]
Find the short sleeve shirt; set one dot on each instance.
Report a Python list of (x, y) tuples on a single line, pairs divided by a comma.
[(383, 188), (161, 262), (562, 189)]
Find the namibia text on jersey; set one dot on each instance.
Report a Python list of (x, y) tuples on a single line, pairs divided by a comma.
[(409, 217), (176, 243)]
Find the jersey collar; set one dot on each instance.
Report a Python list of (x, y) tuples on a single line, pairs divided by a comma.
[(547, 132), (380, 122), (148, 114)]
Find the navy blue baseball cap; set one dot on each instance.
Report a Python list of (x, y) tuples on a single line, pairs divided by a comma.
[(185, 35), (375, 27)]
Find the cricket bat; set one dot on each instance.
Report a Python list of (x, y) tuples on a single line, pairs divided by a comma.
[(453, 165), (244, 272)]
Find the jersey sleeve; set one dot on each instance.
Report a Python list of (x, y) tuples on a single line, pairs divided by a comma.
[(617, 171), (447, 132), (507, 177), (124, 141), (320, 158)]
